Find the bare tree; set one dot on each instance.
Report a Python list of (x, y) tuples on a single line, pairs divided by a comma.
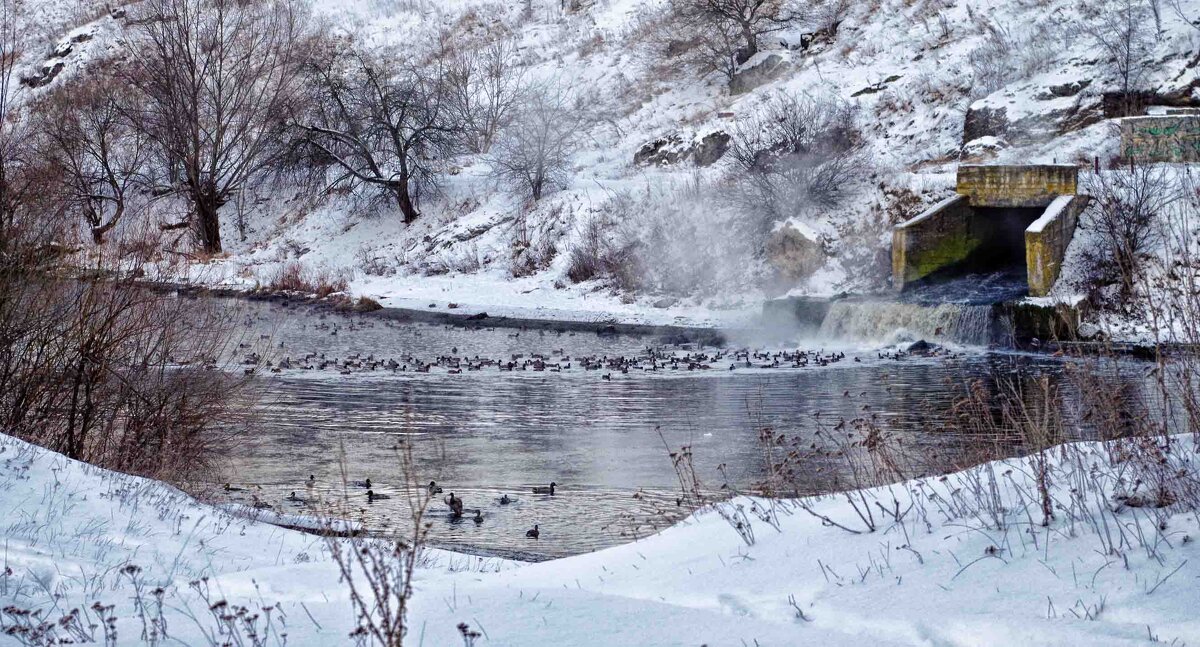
[(1122, 30), (534, 152), (750, 20), (16, 157), (378, 121), (215, 77), (97, 150), (800, 152), (485, 89)]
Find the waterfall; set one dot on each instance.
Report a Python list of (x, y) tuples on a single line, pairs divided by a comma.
[(887, 321)]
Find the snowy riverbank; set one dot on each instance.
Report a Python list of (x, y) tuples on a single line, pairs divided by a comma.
[(963, 567)]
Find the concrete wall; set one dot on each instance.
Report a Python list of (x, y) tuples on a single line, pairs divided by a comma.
[(1016, 186), (938, 238), (1047, 239), (1166, 138)]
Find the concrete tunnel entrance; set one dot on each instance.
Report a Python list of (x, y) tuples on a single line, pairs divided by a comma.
[(1016, 219)]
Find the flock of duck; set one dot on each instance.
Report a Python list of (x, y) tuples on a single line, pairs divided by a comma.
[(455, 504), (652, 360)]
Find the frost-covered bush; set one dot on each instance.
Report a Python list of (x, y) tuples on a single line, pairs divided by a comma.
[(798, 153)]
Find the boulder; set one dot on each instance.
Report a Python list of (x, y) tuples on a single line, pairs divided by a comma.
[(922, 347), (794, 254), (985, 121), (758, 71), (711, 148), (671, 149)]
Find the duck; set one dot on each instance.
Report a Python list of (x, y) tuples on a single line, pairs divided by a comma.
[(534, 533), (545, 490), (230, 488), (363, 483), (434, 488), (478, 518), (456, 505), (312, 480), (296, 499), (504, 500), (371, 496)]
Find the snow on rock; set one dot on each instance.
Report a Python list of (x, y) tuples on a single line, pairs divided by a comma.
[(969, 565)]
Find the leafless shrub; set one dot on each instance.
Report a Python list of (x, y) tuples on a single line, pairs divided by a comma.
[(1172, 298), (1121, 29), (1124, 217), (534, 153), (598, 254), (117, 375), (1005, 55), (485, 88), (534, 246), (378, 572)]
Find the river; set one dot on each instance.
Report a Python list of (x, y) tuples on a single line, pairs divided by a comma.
[(603, 435)]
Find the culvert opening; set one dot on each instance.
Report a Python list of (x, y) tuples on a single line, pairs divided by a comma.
[(1002, 231)]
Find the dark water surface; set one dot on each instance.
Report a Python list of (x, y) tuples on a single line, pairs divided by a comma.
[(488, 432)]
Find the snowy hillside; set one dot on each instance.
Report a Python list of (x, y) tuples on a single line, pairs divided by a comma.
[(961, 566), (930, 84)]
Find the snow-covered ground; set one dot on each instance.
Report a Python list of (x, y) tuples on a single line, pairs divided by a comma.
[(968, 564)]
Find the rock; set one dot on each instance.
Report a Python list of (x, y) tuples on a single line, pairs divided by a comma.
[(478, 317), (793, 254), (665, 302), (1118, 104), (878, 87), (756, 73), (711, 148), (671, 149), (982, 149), (922, 347), (985, 122), (46, 75), (1063, 90), (1090, 332), (663, 151)]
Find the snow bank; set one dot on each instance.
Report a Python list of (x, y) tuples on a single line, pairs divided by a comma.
[(961, 569)]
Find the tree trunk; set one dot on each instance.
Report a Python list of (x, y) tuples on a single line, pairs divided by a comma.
[(404, 201), (751, 43), (208, 224)]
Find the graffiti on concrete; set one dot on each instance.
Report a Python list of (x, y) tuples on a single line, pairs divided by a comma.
[(1161, 139)]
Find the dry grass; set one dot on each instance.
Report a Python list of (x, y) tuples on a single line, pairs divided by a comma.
[(294, 276)]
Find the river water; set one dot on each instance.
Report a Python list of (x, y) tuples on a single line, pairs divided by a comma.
[(604, 436)]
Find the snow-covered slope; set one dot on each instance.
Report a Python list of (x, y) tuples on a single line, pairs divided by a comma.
[(965, 567), (933, 83)]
